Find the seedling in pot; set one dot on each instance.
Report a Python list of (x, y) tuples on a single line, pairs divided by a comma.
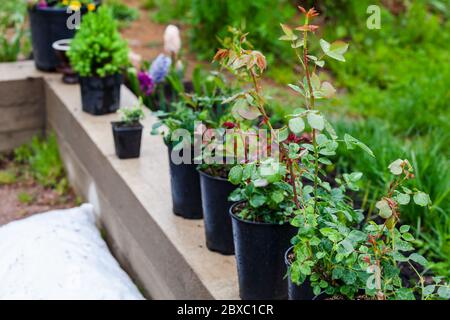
[(128, 132)]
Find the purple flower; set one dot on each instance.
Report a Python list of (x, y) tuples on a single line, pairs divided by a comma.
[(42, 4), (160, 68), (146, 83)]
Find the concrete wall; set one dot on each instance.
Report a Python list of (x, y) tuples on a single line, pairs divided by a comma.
[(165, 254), (22, 111)]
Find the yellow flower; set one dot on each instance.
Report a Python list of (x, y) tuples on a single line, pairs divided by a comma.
[(91, 6), (65, 2), (75, 5)]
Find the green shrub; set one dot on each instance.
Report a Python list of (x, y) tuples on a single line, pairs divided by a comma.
[(98, 48), (121, 12), (210, 19)]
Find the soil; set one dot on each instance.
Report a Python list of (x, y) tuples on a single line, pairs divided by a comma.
[(24, 197), (221, 172)]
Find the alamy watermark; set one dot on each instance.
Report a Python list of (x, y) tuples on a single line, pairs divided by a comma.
[(374, 20)]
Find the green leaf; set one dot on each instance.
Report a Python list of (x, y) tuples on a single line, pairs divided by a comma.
[(257, 200), (348, 247), (444, 292), (235, 175), (396, 167), (385, 209), (336, 50), (316, 121), (408, 236), (422, 199), (419, 259), (289, 34), (403, 198), (325, 161), (297, 89), (352, 142), (297, 125), (283, 134), (277, 196), (404, 228), (404, 294), (428, 290)]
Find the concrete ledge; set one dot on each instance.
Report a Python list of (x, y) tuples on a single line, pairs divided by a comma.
[(165, 254)]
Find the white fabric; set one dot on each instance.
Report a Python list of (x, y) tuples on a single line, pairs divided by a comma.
[(60, 255)]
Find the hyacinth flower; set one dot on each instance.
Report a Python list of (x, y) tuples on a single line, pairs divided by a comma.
[(42, 4), (172, 40), (146, 83), (160, 68)]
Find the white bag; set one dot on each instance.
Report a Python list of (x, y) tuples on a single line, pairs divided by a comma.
[(60, 255)]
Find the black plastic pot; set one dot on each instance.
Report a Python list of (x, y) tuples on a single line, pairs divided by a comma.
[(186, 194), (297, 292), (47, 26), (260, 249), (61, 47), (127, 139), (218, 229), (101, 95)]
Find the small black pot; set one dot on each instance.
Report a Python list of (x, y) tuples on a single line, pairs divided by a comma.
[(127, 139), (260, 249), (186, 194), (297, 292), (101, 95), (218, 229), (47, 26)]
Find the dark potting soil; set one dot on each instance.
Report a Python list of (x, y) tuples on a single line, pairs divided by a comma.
[(126, 125), (221, 172)]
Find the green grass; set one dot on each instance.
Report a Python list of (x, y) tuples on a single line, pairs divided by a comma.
[(25, 198), (13, 34), (44, 162), (7, 177)]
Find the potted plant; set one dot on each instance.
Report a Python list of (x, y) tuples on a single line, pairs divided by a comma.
[(338, 261), (159, 82), (179, 130), (99, 54), (266, 191), (127, 133), (332, 257), (52, 20), (214, 169)]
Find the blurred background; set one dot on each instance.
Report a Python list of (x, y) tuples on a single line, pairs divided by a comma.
[(394, 89)]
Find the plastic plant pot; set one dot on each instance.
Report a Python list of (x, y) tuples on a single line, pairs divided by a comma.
[(47, 26), (260, 249), (218, 229), (101, 95), (127, 139), (61, 47), (185, 187), (297, 292)]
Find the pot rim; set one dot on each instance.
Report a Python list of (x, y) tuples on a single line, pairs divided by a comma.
[(62, 45), (264, 224), (201, 172), (286, 260), (135, 128), (118, 74)]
